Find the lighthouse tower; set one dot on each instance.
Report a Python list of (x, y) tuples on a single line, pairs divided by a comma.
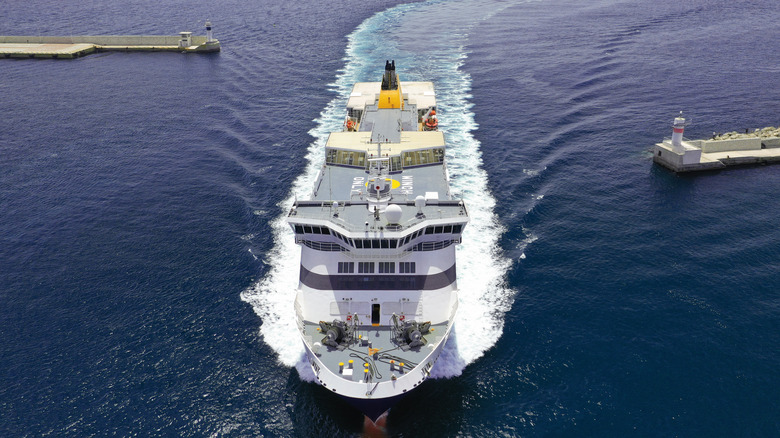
[(678, 127), (209, 35)]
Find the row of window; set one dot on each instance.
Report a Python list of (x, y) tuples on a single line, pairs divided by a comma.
[(445, 229), (346, 158), (377, 282), (407, 159), (311, 229), (335, 247), (380, 243), (384, 267), (346, 267), (419, 158), (388, 268), (406, 267), (375, 243)]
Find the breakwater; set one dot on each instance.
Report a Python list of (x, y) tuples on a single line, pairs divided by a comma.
[(77, 46), (760, 146)]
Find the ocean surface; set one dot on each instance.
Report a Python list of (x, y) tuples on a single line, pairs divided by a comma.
[(147, 276)]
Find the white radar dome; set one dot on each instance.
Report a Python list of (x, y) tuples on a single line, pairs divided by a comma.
[(393, 213), (419, 202)]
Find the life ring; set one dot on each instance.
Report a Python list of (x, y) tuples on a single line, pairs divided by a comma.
[(350, 125), (431, 124), (402, 317), (349, 318)]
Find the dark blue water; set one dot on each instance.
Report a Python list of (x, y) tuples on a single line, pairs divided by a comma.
[(139, 194)]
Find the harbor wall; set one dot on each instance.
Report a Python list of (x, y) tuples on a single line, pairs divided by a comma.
[(771, 143), (738, 144), (104, 40)]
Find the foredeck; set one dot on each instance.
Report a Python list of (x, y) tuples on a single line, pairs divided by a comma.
[(383, 365)]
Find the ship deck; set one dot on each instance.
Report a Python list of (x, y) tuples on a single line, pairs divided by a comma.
[(345, 185), (379, 365)]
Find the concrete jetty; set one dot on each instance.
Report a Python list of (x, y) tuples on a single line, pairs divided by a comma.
[(67, 47), (761, 146)]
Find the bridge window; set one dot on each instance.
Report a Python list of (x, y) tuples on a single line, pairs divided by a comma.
[(346, 267), (420, 158), (345, 158), (395, 164), (406, 267)]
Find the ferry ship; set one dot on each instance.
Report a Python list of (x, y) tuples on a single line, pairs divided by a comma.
[(378, 294)]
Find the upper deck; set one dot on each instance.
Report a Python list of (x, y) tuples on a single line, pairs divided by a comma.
[(420, 94), (390, 153), (354, 213)]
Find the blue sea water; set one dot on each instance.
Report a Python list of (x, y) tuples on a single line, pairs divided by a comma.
[(144, 269)]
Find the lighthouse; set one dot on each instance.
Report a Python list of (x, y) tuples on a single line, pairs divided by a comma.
[(678, 154), (678, 126), (209, 35)]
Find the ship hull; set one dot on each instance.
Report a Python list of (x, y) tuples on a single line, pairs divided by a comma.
[(377, 293)]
